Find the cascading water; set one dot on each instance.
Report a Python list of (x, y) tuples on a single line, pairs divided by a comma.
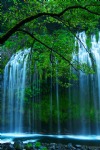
[(86, 94), (81, 104), (21, 95), (84, 86), (14, 89), (51, 96), (57, 100)]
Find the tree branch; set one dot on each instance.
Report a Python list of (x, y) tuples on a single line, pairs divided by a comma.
[(79, 7), (68, 27), (52, 50), (10, 32), (22, 22)]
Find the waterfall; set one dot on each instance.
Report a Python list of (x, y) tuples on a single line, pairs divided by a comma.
[(36, 100), (57, 100), (81, 102), (96, 85), (86, 94), (14, 89), (51, 96)]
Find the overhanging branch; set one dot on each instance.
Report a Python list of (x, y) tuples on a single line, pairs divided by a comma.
[(68, 27), (52, 50), (5, 37), (79, 7)]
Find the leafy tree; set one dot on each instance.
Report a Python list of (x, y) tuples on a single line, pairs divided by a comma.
[(51, 26)]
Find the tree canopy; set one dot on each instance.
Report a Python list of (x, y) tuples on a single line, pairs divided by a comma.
[(49, 27)]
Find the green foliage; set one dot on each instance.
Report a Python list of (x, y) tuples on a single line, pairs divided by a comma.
[(91, 114), (58, 34), (45, 110), (44, 148), (5, 55), (37, 144), (87, 69), (28, 146), (88, 42), (97, 35)]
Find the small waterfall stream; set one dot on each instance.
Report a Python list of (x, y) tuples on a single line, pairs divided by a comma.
[(51, 99), (57, 100)]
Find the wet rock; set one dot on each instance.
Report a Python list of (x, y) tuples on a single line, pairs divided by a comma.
[(7, 146), (70, 146), (52, 146), (78, 146), (59, 146), (18, 145), (46, 145), (10, 147), (0, 146), (88, 148)]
